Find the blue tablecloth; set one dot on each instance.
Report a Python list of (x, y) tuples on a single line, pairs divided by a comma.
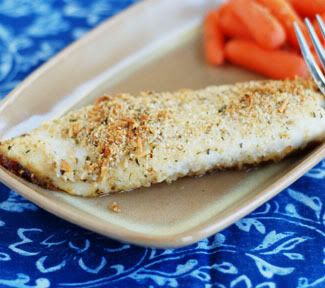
[(282, 244)]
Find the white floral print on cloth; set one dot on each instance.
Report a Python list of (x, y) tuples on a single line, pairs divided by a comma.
[(282, 244)]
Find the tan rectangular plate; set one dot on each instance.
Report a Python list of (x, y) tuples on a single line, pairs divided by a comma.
[(154, 45)]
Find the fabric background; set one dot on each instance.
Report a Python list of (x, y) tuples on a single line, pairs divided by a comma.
[(282, 244)]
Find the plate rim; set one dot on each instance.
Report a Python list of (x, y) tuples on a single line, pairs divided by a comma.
[(69, 49)]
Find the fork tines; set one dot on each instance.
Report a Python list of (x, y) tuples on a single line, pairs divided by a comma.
[(315, 70)]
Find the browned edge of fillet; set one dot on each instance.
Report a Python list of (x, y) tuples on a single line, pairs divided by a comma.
[(23, 172), (44, 182)]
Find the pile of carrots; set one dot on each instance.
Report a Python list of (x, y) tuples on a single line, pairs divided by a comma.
[(259, 35)]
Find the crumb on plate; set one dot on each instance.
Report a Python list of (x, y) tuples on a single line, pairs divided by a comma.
[(114, 207)]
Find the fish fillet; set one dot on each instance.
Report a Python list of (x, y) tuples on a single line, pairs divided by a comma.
[(125, 141)]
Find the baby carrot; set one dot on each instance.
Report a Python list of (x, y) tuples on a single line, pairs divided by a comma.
[(286, 15), (316, 26), (263, 26), (321, 38), (231, 25), (309, 7), (319, 63), (213, 39), (277, 64)]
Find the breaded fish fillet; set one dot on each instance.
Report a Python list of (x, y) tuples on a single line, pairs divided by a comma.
[(127, 141)]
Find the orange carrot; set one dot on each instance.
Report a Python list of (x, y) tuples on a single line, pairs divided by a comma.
[(317, 28), (284, 12), (231, 25), (277, 64), (309, 7), (213, 39), (321, 38), (319, 63), (263, 26)]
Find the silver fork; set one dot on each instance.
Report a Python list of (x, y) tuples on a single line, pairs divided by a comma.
[(314, 69)]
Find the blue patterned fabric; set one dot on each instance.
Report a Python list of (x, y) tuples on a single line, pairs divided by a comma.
[(282, 244)]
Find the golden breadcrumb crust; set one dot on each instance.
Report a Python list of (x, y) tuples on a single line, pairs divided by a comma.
[(129, 141)]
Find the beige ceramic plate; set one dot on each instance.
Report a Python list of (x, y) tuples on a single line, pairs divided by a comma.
[(153, 45)]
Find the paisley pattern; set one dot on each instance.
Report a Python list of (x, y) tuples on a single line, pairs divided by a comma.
[(282, 244)]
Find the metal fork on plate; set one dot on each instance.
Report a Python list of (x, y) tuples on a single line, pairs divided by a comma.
[(315, 70)]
